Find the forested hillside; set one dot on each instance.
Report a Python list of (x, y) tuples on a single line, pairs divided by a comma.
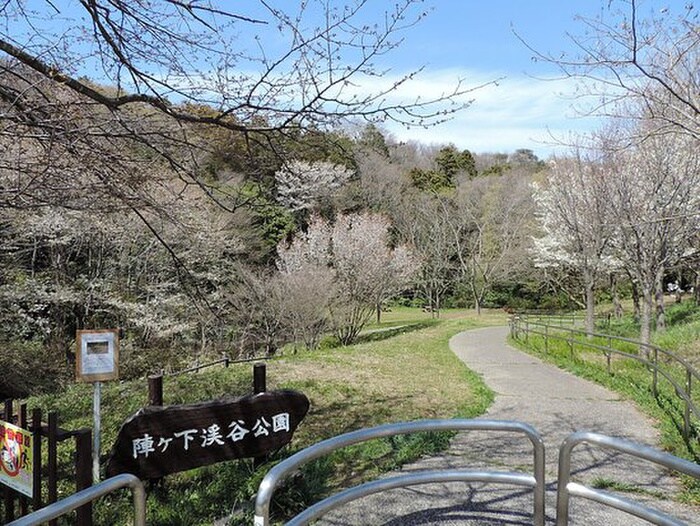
[(266, 249), (206, 197)]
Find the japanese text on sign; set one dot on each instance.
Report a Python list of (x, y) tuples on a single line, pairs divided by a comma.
[(209, 436), (157, 441), (16, 458)]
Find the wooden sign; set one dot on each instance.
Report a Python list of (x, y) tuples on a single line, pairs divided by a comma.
[(97, 355), (157, 441)]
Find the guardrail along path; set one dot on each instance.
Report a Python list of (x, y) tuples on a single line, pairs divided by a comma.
[(556, 404)]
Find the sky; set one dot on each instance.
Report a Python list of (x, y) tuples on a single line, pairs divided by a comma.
[(532, 106), (522, 104)]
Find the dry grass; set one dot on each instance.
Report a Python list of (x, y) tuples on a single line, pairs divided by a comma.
[(410, 376), (405, 376)]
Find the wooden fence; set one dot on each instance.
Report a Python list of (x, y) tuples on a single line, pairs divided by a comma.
[(155, 382), (225, 361), (661, 363), (16, 505)]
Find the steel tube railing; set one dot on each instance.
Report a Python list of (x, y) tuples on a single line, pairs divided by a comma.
[(650, 347), (684, 392), (614, 501), (411, 479), (55, 510), (282, 470), (565, 488)]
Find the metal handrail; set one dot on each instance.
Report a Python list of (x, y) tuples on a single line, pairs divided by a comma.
[(608, 349), (650, 346), (75, 501), (406, 480), (565, 488), (683, 392), (282, 470)]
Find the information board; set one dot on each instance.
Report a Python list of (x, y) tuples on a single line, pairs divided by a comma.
[(97, 355)]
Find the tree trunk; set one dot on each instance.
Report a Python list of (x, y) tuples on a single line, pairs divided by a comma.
[(679, 288), (645, 318), (590, 307), (637, 302), (203, 341), (617, 304), (475, 295), (379, 313), (660, 308)]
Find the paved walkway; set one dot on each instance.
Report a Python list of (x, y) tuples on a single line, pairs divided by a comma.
[(556, 403)]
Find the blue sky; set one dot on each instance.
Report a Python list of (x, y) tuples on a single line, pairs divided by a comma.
[(474, 40)]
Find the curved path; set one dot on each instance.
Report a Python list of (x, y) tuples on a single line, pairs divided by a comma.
[(556, 403)]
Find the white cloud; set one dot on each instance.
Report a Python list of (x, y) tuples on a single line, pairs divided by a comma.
[(518, 112), (509, 111)]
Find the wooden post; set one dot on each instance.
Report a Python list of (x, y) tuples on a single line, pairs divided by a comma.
[(22, 422), (155, 390), (9, 495), (571, 344), (83, 472), (155, 397), (52, 461), (22, 415), (527, 330), (259, 378), (259, 386), (36, 454)]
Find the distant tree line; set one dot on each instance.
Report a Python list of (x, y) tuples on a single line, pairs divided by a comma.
[(246, 217)]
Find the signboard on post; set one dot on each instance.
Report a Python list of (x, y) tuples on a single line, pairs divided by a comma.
[(16, 458), (97, 355), (158, 441), (97, 360)]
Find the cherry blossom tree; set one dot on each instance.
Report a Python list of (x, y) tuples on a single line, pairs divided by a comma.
[(308, 282), (67, 269), (639, 61), (114, 83), (574, 218), (103, 103), (366, 270), (656, 210), (302, 185), (636, 54)]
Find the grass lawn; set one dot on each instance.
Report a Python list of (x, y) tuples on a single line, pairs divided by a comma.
[(405, 372)]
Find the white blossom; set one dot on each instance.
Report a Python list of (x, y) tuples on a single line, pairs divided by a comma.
[(301, 185)]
